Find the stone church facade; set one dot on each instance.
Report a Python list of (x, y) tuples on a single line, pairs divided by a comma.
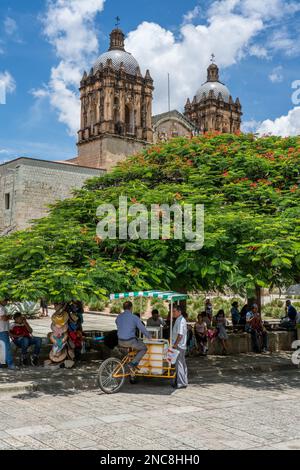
[(116, 108), (212, 108)]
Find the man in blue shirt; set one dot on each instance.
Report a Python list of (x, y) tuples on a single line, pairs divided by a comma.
[(127, 323)]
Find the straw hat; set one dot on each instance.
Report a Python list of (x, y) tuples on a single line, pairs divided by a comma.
[(58, 357), (60, 319)]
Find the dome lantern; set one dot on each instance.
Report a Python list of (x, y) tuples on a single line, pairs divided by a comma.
[(117, 54)]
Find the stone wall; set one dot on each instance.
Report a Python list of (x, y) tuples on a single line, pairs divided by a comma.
[(106, 151), (33, 185), (241, 342)]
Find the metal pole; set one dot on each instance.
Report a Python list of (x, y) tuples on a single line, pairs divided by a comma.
[(171, 323), (169, 94)]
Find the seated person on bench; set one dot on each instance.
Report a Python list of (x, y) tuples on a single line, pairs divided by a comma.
[(21, 334), (127, 323)]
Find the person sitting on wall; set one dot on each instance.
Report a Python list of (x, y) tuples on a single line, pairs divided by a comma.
[(256, 328), (21, 334), (235, 314), (201, 334), (289, 321)]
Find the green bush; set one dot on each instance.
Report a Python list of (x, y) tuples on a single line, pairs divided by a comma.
[(98, 305)]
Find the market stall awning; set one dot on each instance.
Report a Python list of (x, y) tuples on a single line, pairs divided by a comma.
[(168, 295)]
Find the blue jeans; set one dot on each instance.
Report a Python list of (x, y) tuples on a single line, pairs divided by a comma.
[(4, 336), (24, 343)]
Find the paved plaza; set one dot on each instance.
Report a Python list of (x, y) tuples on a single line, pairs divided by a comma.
[(255, 411), (236, 402)]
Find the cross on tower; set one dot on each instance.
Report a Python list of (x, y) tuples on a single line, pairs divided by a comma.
[(118, 20), (213, 58)]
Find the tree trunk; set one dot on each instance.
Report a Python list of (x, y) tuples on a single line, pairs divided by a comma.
[(258, 297)]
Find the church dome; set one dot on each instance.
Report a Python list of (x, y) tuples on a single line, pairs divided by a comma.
[(213, 83), (117, 54), (117, 57), (217, 88)]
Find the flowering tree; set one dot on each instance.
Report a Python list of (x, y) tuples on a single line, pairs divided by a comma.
[(249, 187)]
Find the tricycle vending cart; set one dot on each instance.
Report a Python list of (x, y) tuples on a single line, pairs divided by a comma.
[(159, 360)]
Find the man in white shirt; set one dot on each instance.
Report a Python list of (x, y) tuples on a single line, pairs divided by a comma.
[(179, 340), (4, 335)]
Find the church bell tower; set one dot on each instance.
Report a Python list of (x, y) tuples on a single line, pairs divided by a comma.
[(116, 108)]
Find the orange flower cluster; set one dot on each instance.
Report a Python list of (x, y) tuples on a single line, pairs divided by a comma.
[(252, 248), (265, 182), (135, 272)]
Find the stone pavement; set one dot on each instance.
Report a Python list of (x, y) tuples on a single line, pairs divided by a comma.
[(254, 411), (83, 376)]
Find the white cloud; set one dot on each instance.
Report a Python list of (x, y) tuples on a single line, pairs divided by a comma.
[(285, 125), (40, 93), (7, 85), (282, 41), (258, 51), (69, 27), (10, 26), (250, 126), (187, 58), (276, 76), (192, 14)]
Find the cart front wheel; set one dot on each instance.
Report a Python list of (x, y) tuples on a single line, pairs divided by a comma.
[(111, 375)]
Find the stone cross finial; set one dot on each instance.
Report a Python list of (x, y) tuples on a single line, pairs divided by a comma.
[(213, 58), (118, 21)]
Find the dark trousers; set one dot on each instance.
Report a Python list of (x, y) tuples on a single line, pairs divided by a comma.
[(256, 337), (24, 343)]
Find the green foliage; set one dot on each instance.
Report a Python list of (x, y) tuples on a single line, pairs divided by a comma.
[(27, 309), (250, 189), (160, 305)]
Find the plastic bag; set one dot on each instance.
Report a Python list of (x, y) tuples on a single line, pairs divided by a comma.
[(172, 355)]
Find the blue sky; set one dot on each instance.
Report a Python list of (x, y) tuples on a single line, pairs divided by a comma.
[(257, 45)]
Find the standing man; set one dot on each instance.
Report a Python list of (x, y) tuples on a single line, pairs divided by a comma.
[(127, 323), (4, 335), (44, 307), (179, 340)]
